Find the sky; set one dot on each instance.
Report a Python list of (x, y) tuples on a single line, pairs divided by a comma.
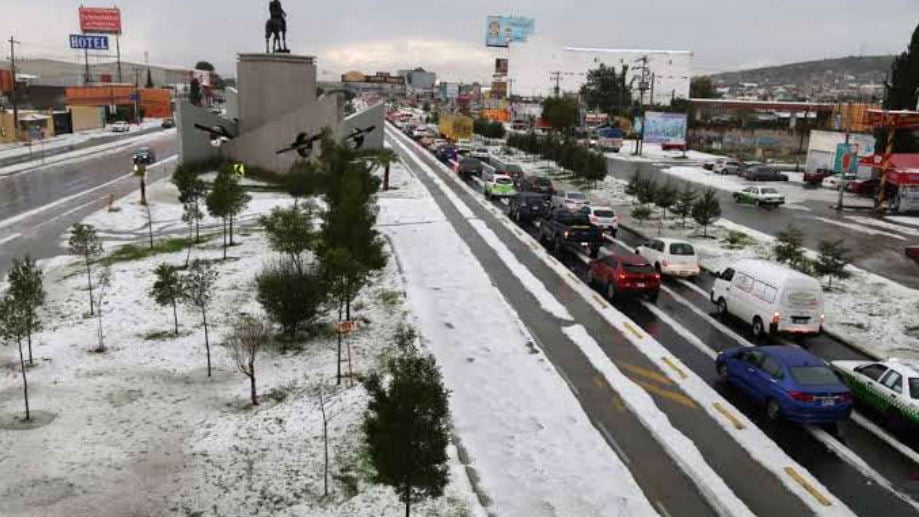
[(374, 35)]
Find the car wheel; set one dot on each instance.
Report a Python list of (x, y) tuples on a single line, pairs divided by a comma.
[(722, 370), (736, 198), (773, 410), (657, 267), (610, 292), (759, 331), (722, 309), (590, 278)]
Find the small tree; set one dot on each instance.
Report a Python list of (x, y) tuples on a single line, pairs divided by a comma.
[(385, 158), (665, 197), (12, 327), (706, 210), (290, 231), (641, 213), (194, 92), (190, 216), (103, 281), (290, 297), (788, 246), (684, 203), (247, 337), (86, 244), (167, 289), (198, 292), (227, 200), (647, 191), (407, 428), (832, 260), (28, 293), (191, 191), (140, 171)]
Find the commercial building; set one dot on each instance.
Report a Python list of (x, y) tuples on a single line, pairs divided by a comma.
[(53, 72), (419, 80), (382, 83)]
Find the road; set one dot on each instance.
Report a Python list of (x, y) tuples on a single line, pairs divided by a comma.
[(858, 466), (39, 205), (38, 151), (871, 249)]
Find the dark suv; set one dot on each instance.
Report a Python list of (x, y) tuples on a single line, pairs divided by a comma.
[(145, 156), (537, 184), (527, 207), (469, 167)]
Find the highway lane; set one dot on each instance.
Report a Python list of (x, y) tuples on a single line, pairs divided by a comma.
[(38, 151)]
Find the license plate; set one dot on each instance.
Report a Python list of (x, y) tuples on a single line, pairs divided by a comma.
[(640, 284), (800, 319), (828, 402)]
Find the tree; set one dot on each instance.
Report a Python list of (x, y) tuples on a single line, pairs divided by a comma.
[(302, 180), (665, 197), (12, 327), (788, 246), (191, 191), (194, 92), (607, 91), (641, 213), (246, 338), (407, 427), (646, 191), (28, 293), (85, 244), (902, 85), (290, 231), (596, 168), (226, 200), (167, 289), (204, 65), (190, 216), (832, 260), (561, 113), (706, 210), (149, 79), (702, 87), (103, 281), (198, 292), (290, 296), (385, 158), (686, 198)]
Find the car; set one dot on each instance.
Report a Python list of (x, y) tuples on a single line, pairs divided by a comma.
[(145, 156), (913, 252), (537, 184), (890, 387), (673, 145), (469, 167), (816, 177), (833, 180), (624, 274), (447, 154), (710, 164), (603, 218), (770, 297), (502, 166), (671, 257), (766, 197), (168, 123), (561, 228), (527, 207), (864, 187), (497, 185), (481, 153), (120, 127), (789, 382), (727, 167), (762, 173), (570, 199)]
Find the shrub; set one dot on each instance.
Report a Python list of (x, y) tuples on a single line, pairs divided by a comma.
[(289, 297)]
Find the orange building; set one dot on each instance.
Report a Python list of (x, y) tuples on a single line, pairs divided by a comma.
[(155, 102)]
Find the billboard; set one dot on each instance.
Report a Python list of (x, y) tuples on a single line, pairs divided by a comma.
[(500, 31), (846, 158), (501, 66), (664, 127), (103, 20), (81, 42), (499, 90)]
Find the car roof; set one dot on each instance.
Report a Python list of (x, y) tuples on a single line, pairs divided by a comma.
[(671, 241), (908, 366), (629, 258), (600, 207), (776, 271), (791, 355)]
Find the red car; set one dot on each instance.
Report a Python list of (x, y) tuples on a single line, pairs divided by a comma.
[(673, 146), (624, 274), (913, 252), (866, 187)]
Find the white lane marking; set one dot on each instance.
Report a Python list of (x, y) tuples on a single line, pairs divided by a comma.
[(680, 329), (872, 428), (615, 444), (702, 314), (35, 211), (9, 238), (694, 287), (861, 229), (847, 455), (72, 210)]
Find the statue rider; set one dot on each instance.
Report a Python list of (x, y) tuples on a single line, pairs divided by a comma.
[(277, 12)]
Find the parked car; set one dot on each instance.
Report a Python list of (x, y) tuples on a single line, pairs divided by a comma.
[(447, 154), (866, 187), (770, 297), (145, 156), (671, 257), (762, 173), (497, 185), (673, 145), (537, 184), (168, 123), (570, 199), (727, 167), (502, 166), (816, 177), (527, 207), (788, 381), (469, 167), (767, 197), (603, 218), (481, 153), (562, 228), (913, 252), (890, 387), (833, 180), (121, 127), (624, 274)]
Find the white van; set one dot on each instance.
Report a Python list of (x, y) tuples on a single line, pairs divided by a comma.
[(771, 297)]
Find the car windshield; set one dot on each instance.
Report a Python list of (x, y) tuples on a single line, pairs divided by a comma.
[(733, 164), (503, 181), (681, 248), (769, 191), (543, 182), (576, 195), (573, 218), (604, 213), (813, 375), (914, 388), (639, 268)]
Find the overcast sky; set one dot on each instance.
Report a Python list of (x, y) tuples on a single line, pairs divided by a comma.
[(372, 35)]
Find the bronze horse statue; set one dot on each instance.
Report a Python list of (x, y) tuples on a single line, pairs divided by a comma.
[(276, 26)]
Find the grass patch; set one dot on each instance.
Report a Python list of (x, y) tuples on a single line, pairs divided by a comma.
[(131, 252), (390, 297), (160, 335), (737, 240)]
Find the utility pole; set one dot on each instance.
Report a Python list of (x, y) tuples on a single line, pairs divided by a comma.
[(136, 97), (118, 56), (643, 84), (842, 177), (557, 77), (14, 95)]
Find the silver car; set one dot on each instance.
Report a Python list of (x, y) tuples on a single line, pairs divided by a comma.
[(570, 199)]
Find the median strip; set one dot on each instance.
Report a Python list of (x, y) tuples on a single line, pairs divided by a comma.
[(822, 499), (631, 328), (730, 416), (669, 362)]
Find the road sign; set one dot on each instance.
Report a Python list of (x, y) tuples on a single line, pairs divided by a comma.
[(83, 42), (239, 169), (134, 97), (346, 327), (106, 20)]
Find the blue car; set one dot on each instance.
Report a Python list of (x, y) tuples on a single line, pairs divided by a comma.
[(447, 153), (789, 382)]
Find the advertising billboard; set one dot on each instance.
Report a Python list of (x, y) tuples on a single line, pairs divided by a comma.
[(500, 31), (846, 158), (81, 42), (102, 20), (501, 66), (664, 127), (499, 90)]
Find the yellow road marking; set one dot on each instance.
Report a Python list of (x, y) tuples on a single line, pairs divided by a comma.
[(600, 301), (598, 382), (645, 372), (667, 394), (676, 368), (618, 405), (727, 414), (572, 277), (632, 329), (822, 499)]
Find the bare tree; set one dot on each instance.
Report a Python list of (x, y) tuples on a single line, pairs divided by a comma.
[(325, 410), (103, 281), (198, 292), (246, 338), (86, 244), (13, 321)]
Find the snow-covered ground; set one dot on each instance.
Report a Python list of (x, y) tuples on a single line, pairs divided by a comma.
[(653, 152), (142, 430), (15, 149)]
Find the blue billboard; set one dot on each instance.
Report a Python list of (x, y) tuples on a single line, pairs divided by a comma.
[(662, 128), (83, 42), (500, 31)]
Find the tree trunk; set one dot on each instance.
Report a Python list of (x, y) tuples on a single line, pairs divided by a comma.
[(190, 242), (197, 222), (25, 382), (386, 178), (408, 501), (89, 280), (207, 344), (150, 225), (224, 238), (231, 229), (143, 192), (338, 375), (29, 336), (175, 316), (99, 334), (252, 387)]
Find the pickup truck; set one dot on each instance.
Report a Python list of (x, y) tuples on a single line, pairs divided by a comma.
[(561, 228)]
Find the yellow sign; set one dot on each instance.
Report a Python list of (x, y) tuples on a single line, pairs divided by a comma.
[(239, 169)]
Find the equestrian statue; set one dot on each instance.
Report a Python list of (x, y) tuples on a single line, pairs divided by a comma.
[(276, 26)]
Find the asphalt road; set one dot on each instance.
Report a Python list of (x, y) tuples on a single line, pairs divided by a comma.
[(38, 151), (874, 252), (688, 314), (38, 206)]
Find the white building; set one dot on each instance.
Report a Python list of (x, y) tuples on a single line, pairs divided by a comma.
[(532, 64)]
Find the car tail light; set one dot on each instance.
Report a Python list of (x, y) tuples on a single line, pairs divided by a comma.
[(657, 276), (777, 317), (800, 396), (665, 263), (622, 276), (565, 234), (845, 397)]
